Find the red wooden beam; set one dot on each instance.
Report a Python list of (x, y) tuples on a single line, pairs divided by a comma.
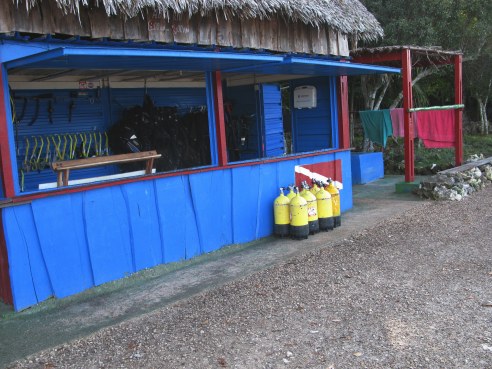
[(458, 113), (5, 159), (343, 113), (408, 104), (5, 289), (378, 58), (219, 119)]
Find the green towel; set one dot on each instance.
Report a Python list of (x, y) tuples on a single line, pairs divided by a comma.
[(377, 125)]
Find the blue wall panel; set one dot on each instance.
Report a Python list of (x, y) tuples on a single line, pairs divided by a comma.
[(267, 192), (21, 281), (39, 273), (64, 244), (273, 127), (211, 195), (145, 234), (312, 128), (61, 248), (173, 217), (245, 203), (108, 234)]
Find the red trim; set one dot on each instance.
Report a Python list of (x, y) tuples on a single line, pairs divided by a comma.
[(219, 119), (17, 200), (379, 58), (5, 160), (5, 289), (458, 117), (343, 113), (407, 104)]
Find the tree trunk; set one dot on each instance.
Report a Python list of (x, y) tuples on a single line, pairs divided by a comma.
[(484, 122), (423, 73)]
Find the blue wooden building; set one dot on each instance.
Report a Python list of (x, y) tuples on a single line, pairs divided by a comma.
[(251, 99)]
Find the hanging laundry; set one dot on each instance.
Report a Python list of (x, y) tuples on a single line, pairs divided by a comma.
[(377, 125), (398, 122), (436, 128)]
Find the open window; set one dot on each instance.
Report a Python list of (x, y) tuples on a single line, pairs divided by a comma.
[(76, 115)]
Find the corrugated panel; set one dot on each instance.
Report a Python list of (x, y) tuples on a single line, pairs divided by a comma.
[(273, 129), (64, 244), (86, 108), (312, 128)]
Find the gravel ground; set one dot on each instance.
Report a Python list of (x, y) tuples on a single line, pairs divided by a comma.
[(412, 293)]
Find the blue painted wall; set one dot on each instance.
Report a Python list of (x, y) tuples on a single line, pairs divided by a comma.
[(62, 245), (312, 129)]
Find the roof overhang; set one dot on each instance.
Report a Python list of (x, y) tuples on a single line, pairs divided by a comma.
[(190, 60)]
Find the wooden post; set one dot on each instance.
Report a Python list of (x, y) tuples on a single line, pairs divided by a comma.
[(343, 113), (5, 159), (219, 119), (406, 59), (458, 113)]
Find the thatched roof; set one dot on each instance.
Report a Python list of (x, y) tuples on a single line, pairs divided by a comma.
[(347, 16)]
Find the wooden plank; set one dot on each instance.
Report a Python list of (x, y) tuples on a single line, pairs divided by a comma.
[(319, 40), (207, 32), (266, 34), (251, 34), (224, 31), (333, 42), (116, 27), (6, 19), (285, 39), (236, 32), (159, 29), (245, 202), (104, 160), (467, 166), (343, 46), (183, 30), (136, 28), (99, 24)]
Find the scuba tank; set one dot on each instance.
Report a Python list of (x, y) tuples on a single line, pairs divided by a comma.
[(325, 210), (314, 190), (299, 227), (335, 200), (291, 193), (281, 214), (312, 207)]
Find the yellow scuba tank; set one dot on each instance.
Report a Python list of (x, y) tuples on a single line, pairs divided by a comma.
[(325, 210), (335, 200), (291, 193), (314, 190), (281, 214), (312, 207), (299, 227)]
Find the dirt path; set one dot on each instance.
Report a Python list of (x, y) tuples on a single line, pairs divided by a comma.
[(413, 292)]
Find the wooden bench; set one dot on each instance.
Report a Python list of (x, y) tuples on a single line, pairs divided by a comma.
[(62, 168)]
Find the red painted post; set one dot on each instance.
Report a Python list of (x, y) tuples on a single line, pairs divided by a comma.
[(5, 160), (406, 60), (219, 119), (343, 113), (458, 113)]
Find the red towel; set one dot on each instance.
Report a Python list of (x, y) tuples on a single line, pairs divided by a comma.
[(436, 128), (398, 122)]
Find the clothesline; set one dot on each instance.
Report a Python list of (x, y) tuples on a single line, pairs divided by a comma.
[(435, 127), (445, 107)]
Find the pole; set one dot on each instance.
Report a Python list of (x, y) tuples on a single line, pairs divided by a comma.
[(219, 119), (458, 113), (343, 113), (407, 105)]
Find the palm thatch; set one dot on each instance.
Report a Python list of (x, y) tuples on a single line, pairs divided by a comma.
[(346, 16)]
